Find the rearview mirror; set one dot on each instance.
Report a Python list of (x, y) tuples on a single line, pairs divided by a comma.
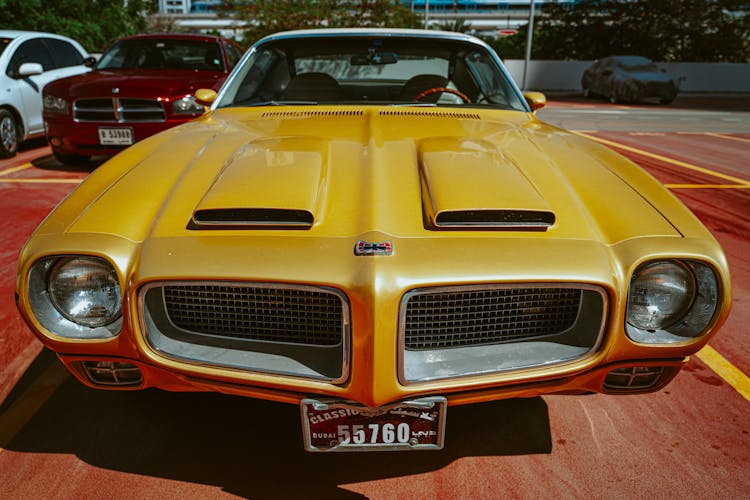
[(536, 100), (205, 96), (373, 58)]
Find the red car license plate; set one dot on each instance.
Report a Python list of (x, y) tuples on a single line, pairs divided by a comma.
[(330, 425), (115, 136)]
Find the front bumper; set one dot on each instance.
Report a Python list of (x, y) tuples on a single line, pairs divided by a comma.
[(66, 136), (596, 380)]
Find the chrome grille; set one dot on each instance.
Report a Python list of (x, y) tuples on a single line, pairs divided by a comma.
[(479, 316), (260, 313), (118, 110)]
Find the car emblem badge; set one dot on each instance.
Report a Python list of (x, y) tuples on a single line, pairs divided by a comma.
[(116, 90), (377, 248)]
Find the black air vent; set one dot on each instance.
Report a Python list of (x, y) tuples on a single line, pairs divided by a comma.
[(308, 114), (220, 218), (430, 114), (499, 219)]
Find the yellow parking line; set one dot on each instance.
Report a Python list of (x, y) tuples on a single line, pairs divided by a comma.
[(741, 139), (726, 370), (16, 169), (21, 411), (667, 160), (707, 186), (42, 181)]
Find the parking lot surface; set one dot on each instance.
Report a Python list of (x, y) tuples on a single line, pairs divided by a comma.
[(60, 439)]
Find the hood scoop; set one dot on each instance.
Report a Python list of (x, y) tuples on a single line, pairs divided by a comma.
[(471, 185), (267, 218), (495, 219), (274, 184)]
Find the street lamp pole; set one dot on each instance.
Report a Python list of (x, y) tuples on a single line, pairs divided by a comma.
[(529, 36), (426, 12)]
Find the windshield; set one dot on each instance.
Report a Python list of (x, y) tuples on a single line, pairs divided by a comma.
[(391, 70), (163, 54)]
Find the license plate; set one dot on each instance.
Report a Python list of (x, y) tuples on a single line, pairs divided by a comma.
[(115, 136), (330, 425)]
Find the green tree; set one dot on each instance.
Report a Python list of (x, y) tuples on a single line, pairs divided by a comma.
[(94, 23), (264, 17), (691, 30)]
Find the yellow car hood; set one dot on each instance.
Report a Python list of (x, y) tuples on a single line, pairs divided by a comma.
[(346, 172)]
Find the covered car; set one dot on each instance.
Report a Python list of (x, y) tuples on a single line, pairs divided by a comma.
[(629, 79), (375, 226), (141, 85)]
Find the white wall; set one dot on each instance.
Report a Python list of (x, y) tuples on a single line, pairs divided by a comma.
[(697, 77)]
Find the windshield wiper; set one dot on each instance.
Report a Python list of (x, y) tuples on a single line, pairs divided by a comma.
[(282, 103), (414, 104)]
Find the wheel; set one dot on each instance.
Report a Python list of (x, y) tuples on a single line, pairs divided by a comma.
[(8, 134), (434, 90), (71, 159)]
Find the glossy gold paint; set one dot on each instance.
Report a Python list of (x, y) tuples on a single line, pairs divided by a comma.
[(374, 174)]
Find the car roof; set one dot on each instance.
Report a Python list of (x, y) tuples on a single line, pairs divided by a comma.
[(18, 34), (384, 32)]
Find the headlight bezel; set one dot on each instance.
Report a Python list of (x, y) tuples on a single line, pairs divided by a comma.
[(49, 314), (54, 104), (696, 321), (187, 106)]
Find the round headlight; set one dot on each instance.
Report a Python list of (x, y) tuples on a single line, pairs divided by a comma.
[(187, 106), (85, 290), (661, 294)]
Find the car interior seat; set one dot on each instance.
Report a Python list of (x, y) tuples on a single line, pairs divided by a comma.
[(313, 87)]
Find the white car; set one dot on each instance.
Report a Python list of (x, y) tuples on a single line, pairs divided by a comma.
[(28, 61)]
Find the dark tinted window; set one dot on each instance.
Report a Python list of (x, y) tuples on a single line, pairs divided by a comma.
[(163, 54), (233, 54), (4, 42), (31, 51), (64, 53)]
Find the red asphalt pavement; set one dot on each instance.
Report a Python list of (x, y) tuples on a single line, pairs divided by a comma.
[(691, 440)]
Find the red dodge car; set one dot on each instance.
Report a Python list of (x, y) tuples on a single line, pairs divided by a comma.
[(142, 85)]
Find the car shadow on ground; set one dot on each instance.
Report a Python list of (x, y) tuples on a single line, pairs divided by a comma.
[(248, 447), (48, 162)]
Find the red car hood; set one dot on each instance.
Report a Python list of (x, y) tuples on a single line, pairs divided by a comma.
[(136, 83)]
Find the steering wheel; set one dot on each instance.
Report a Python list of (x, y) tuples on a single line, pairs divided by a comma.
[(434, 90)]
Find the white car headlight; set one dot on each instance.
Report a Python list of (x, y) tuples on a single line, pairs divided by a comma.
[(187, 106), (54, 104), (76, 296), (85, 290), (670, 301)]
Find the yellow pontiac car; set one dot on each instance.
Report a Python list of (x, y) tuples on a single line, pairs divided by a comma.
[(372, 225)]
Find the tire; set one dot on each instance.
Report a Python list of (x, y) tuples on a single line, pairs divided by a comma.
[(71, 159), (8, 134)]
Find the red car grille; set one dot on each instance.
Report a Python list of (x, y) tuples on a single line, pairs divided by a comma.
[(118, 110)]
